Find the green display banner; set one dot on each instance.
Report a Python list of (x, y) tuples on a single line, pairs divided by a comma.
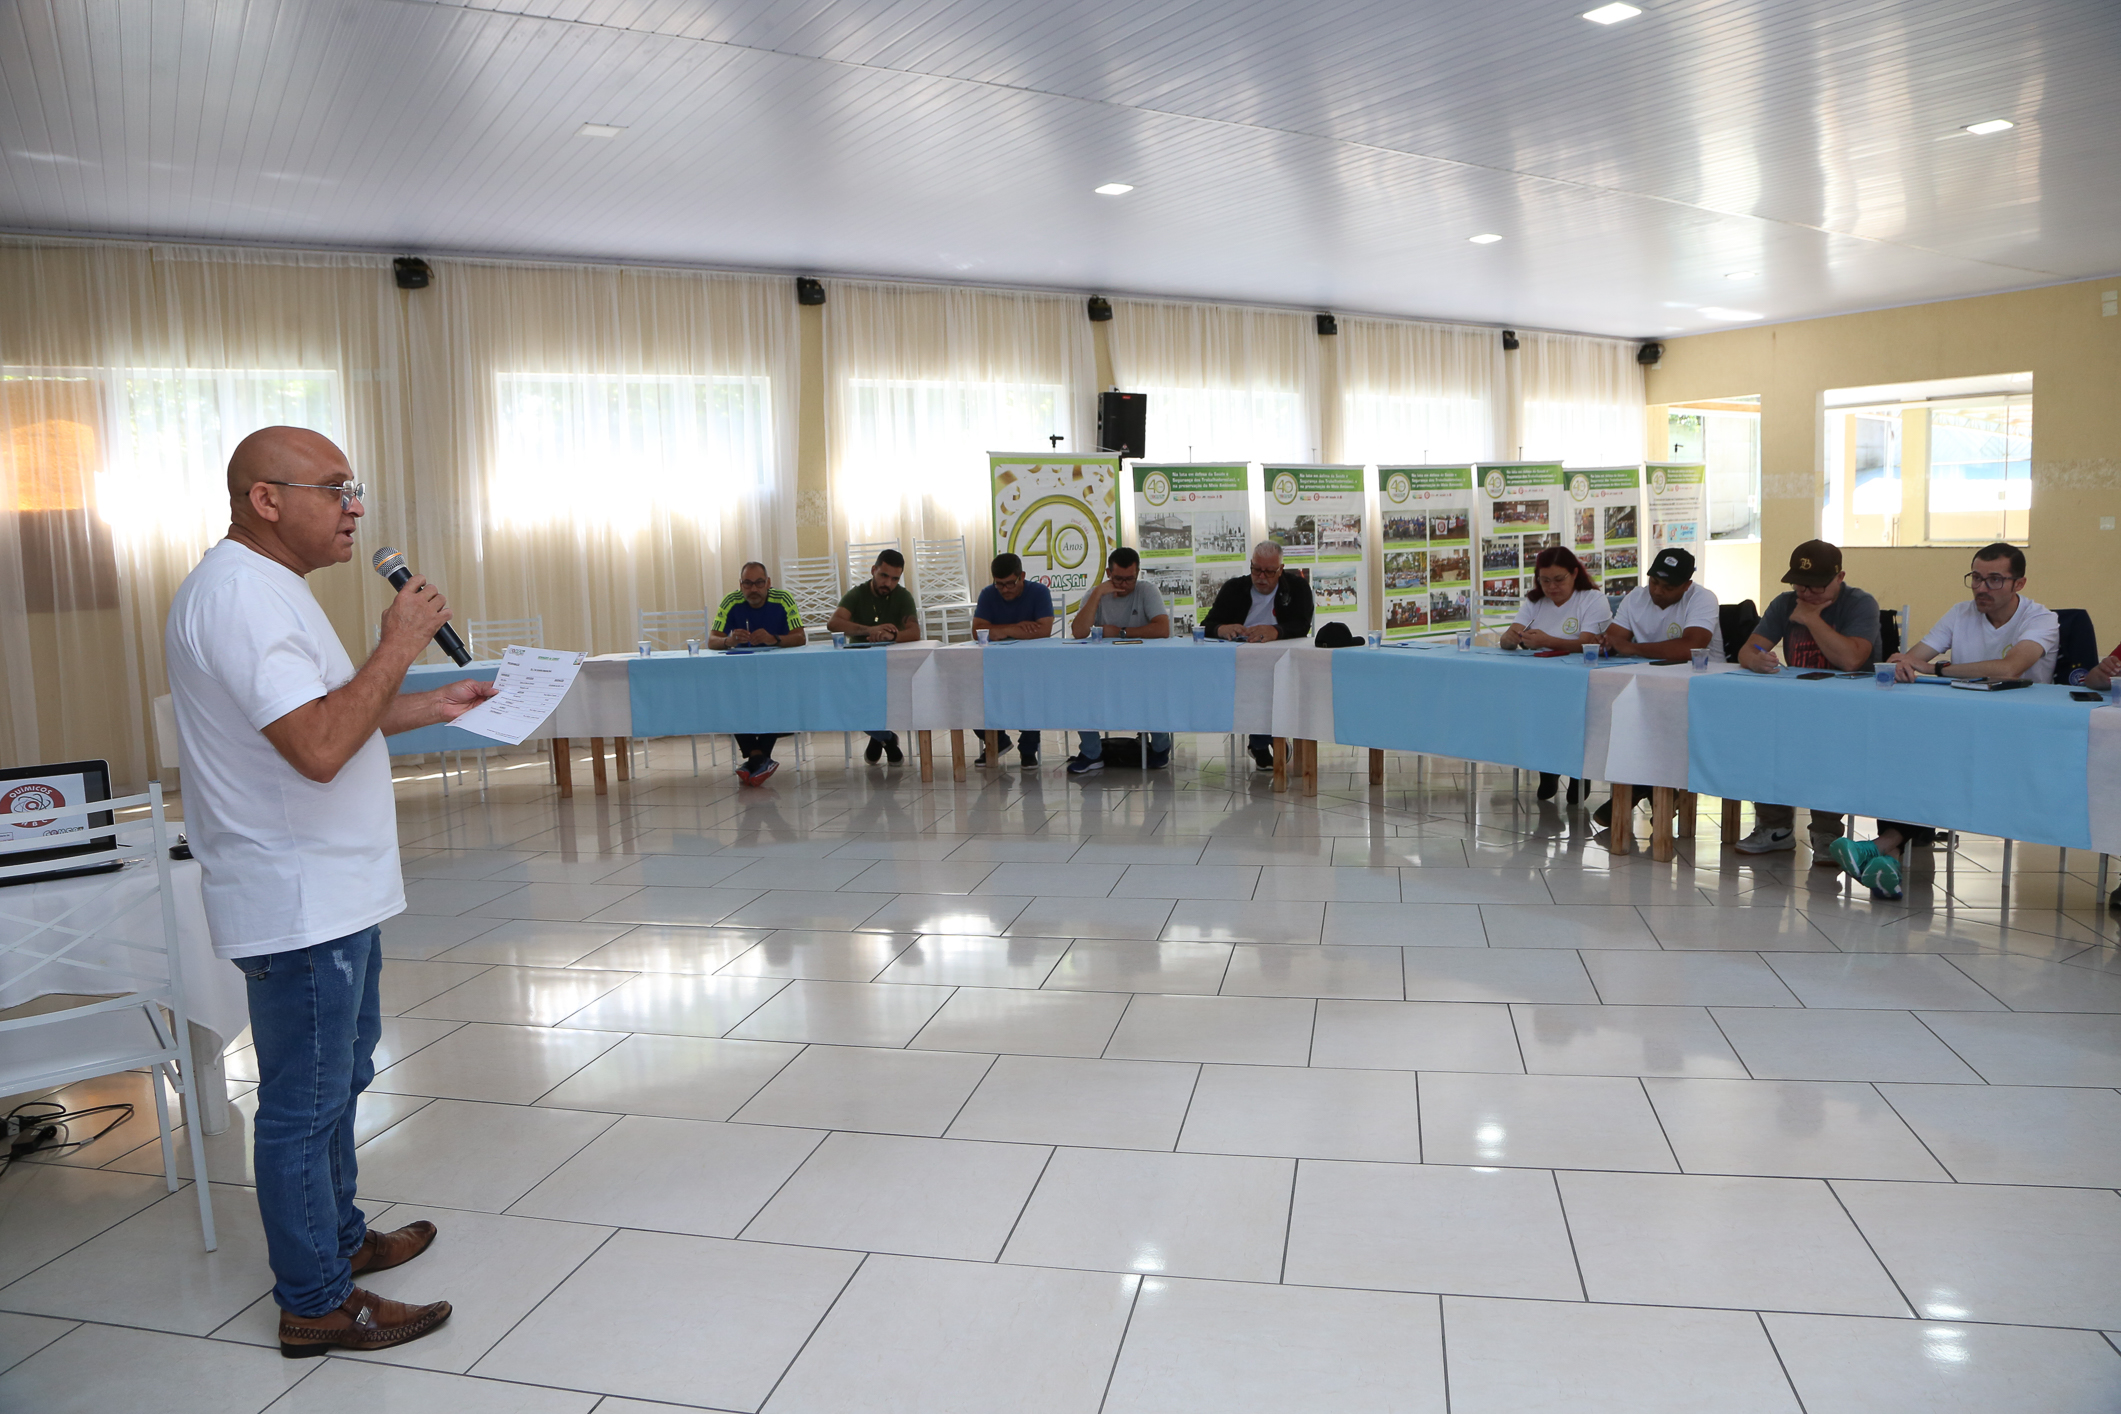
[(1519, 512), (1677, 504), (1605, 524), (1315, 513), (1428, 559), (1192, 526), (1060, 515)]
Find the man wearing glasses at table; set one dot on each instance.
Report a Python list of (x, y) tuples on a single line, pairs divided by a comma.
[(1997, 633), (756, 615), (287, 800)]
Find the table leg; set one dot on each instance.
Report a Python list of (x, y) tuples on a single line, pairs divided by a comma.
[(993, 741), (1310, 760), (1281, 764), (927, 743), (1377, 766), (563, 766), (1730, 821), (596, 764), (622, 755), (957, 754), (1661, 824), (1689, 807), (1620, 838)]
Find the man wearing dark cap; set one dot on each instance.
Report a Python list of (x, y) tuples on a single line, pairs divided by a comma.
[(1824, 622), (1665, 619)]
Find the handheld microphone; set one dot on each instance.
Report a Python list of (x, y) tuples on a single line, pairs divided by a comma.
[(391, 565)]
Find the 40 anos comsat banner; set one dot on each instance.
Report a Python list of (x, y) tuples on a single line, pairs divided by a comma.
[(1193, 528), (1678, 505), (1428, 547), (1605, 524), (1315, 514), (1059, 514), (1519, 515)]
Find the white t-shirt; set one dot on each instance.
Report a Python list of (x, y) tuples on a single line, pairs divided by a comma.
[(288, 862), (1261, 614), (1696, 608), (1585, 612), (1969, 637)]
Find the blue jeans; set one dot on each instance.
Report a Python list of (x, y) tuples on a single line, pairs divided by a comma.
[(1094, 744), (315, 1014)]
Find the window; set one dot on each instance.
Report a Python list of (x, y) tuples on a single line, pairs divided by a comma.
[(1723, 434), (1390, 427), (1238, 424), (1942, 463), (614, 450), (935, 434)]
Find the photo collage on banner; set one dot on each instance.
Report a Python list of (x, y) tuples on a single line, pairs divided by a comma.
[(1678, 506), (1315, 514), (1192, 526), (1520, 514), (1059, 514), (1605, 524), (1428, 549)]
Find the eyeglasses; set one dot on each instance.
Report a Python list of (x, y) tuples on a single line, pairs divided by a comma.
[(1989, 581), (752, 583), (348, 491)]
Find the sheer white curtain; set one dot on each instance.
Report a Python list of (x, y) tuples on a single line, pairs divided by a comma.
[(1419, 392), (1580, 400), (922, 382), (1224, 382)]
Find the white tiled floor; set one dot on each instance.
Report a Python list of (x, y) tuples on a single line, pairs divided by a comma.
[(1156, 1095)]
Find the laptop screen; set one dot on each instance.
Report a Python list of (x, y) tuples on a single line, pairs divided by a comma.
[(41, 818)]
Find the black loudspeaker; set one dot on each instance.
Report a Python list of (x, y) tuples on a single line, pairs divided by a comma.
[(1122, 422), (1509, 341), (808, 291), (412, 272), (1100, 309), (1649, 353), (1327, 324)]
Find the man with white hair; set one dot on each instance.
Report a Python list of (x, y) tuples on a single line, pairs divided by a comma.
[(1264, 605)]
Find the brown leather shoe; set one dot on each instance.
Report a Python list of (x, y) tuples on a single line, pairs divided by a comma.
[(380, 1251), (364, 1321)]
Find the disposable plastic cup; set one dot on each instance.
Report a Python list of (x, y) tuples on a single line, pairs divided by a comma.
[(839, 640), (980, 634), (1700, 659), (1883, 675), (1200, 633), (1377, 638), (692, 647), (1465, 641), (1590, 655), (1097, 633), (643, 646)]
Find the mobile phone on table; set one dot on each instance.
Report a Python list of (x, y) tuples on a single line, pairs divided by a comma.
[(1812, 677)]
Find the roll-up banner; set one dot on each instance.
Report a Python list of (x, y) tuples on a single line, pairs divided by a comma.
[(1518, 514), (1059, 514), (1677, 505), (1605, 524), (1428, 549), (1315, 514), (1192, 525)]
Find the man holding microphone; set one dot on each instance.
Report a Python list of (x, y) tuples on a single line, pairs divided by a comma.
[(289, 811)]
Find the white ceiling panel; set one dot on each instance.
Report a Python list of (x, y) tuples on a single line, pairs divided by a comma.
[(1336, 154)]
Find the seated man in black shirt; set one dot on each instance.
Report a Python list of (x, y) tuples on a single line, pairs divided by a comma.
[(1268, 604)]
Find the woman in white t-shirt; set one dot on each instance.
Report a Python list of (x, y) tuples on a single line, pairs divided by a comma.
[(1565, 609)]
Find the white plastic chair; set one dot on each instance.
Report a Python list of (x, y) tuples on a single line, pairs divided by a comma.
[(814, 584), (941, 586), (861, 558), (142, 1022)]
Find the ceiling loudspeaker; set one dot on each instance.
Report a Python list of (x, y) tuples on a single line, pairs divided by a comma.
[(809, 291), (1100, 309), (412, 273), (1509, 341), (1649, 354), (1122, 422), (1328, 325)]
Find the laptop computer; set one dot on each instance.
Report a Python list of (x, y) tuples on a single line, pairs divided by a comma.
[(40, 813)]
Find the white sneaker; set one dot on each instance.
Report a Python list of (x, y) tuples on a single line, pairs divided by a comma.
[(1765, 841)]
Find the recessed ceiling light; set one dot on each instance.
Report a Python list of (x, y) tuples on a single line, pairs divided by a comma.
[(1743, 275), (1611, 14), (1737, 316), (1993, 125), (597, 130), (1485, 238), (1113, 189)]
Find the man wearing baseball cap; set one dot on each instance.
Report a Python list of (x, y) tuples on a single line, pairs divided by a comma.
[(1824, 622), (1665, 619)]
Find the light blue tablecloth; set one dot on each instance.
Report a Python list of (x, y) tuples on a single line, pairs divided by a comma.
[(1484, 705), (426, 677), (817, 688), (1055, 684), (2010, 763)]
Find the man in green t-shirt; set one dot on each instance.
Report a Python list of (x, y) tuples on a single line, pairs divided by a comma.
[(881, 612)]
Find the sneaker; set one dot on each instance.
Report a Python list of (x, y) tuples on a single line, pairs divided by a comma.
[(1577, 790), (1028, 760), (760, 770), (1852, 855), (1766, 841), (1823, 849), (1602, 817), (1085, 765), (874, 752), (891, 749), (1003, 750), (1548, 784), (743, 773), (1263, 758), (1882, 873), (1157, 761)]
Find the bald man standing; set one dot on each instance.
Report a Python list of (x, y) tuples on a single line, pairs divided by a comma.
[(287, 803)]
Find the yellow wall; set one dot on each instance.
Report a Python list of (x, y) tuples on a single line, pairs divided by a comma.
[(2059, 334)]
